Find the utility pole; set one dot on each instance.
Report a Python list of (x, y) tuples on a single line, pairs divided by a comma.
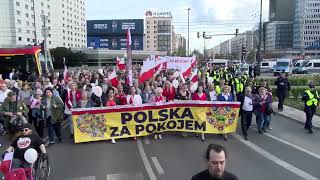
[(35, 25), (44, 19), (260, 42), (188, 31)]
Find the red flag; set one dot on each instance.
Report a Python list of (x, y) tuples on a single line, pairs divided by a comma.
[(121, 65), (194, 76), (113, 78)]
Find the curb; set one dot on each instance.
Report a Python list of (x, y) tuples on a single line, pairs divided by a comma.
[(293, 119)]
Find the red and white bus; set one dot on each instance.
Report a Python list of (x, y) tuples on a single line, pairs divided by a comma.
[(26, 60)]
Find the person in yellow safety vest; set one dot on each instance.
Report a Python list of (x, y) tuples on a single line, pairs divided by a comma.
[(238, 85), (216, 77), (311, 99), (218, 88)]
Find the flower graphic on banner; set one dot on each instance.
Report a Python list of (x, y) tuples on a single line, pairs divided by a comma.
[(92, 124), (221, 117)]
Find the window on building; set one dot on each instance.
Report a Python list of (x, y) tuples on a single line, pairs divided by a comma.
[(48, 6), (42, 11), (28, 39), (18, 21), (26, 6), (18, 12), (28, 31), (19, 30), (27, 23), (20, 38), (17, 3), (49, 42)]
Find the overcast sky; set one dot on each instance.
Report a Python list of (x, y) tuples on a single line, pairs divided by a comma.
[(212, 16)]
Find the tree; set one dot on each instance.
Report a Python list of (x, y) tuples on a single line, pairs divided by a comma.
[(72, 59), (181, 52), (251, 56)]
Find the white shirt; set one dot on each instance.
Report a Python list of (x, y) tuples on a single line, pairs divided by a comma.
[(247, 104), (4, 94), (137, 100), (213, 95)]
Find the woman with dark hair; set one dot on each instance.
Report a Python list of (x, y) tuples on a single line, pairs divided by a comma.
[(199, 95), (110, 101), (53, 113), (183, 93)]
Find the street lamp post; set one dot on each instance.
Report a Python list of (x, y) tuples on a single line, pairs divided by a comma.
[(188, 31), (260, 42)]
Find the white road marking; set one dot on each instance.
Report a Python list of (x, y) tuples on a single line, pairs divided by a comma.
[(294, 146), (157, 165), (276, 160), (146, 140), (123, 176), (146, 163), (84, 178)]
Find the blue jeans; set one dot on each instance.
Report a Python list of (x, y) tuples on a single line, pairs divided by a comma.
[(53, 128), (263, 120), (70, 122)]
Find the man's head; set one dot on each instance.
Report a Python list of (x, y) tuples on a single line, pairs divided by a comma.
[(12, 96), (216, 157), (3, 86), (311, 85), (26, 129)]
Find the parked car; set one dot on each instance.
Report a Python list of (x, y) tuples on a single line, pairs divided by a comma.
[(313, 66)]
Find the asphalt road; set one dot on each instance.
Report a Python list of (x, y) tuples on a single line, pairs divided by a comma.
[(287, 152)]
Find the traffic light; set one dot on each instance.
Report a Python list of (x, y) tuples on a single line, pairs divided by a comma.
[(198, 35), (237, 32), (243, 53), (204, 34)]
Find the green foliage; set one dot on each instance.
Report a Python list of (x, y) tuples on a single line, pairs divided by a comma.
[(295, 80)]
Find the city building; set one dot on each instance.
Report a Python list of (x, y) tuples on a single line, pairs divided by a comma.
[(225, 47), (158, 31), (243, 40), (281, 10), (279, 35), (112, 34), (181, 42), (306, 25), (22, 23)]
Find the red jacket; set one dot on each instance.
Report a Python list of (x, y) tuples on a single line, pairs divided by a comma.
[(169, 93)]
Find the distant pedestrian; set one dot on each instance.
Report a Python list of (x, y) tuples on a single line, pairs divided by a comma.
[(216, 157), (283, 87), (311, 99)]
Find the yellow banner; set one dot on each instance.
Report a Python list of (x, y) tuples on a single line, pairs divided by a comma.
[(116, 122)]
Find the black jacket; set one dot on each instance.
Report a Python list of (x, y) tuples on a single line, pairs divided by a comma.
[(205, 175), (283, 86)]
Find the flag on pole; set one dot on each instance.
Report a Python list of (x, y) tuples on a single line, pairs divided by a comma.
[(65, 72), (121, 65), (147, 70), (113, 78), (194, 76), (129, 58)]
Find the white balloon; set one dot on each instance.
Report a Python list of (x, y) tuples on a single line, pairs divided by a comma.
[(210, 80), (194, 87), (97, 91), (100, 71), (31, 155), (93, 85), (175, 83), (164, 78)]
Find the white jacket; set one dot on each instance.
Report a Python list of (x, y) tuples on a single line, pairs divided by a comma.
[(137, 100)]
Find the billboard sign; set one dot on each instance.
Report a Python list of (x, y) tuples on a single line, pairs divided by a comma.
[(157, 14), (114, 27), (115, 42)]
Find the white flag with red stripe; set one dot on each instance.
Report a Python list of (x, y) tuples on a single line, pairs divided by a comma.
[(188, 70), (194, 75), (121, 65), (148, 70), (113, 78), (65, 71)]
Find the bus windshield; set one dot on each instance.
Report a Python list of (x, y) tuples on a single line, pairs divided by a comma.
[(25, 64)]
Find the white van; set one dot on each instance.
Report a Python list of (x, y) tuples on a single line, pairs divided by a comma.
[(283, 66), (313, 66), (267, 66), (218, 62)]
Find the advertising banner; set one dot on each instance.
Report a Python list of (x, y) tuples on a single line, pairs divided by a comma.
[(179, 62), (114, 27), (115, 43), (116, 122)]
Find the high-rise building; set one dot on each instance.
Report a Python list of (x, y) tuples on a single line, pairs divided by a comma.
[(306, 25), (22, 22), (281, 10), (158, 31), (279, 35)]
